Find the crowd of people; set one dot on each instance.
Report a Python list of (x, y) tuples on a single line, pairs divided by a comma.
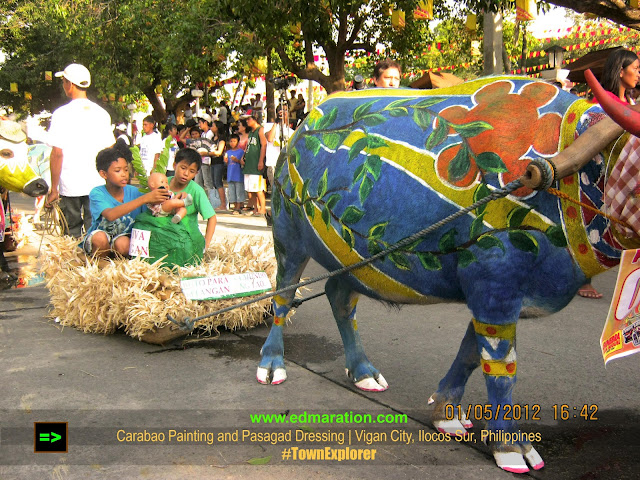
[(217, 157), (212, 147)]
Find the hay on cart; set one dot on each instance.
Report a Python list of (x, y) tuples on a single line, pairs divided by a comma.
[(103, 295)]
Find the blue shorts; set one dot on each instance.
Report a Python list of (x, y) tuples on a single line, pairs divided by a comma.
[(236, 193)]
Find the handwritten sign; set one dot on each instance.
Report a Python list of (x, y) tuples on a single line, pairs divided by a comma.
[(225, 286), (621, 333), (139, 244)]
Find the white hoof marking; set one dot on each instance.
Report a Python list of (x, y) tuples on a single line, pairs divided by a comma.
[(370, 385), (279, 376), (262, 375), (511, 462), (452, 427), (534, 459)]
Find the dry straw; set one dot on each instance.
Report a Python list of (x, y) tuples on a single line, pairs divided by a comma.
[(101, 296)]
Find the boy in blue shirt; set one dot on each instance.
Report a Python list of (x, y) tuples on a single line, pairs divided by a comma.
[(235, 177), (114, 206)]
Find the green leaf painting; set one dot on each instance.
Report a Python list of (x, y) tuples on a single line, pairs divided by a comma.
[(524, 241), (351, 215), (429, 261), (490, 162), (327, 120), (362, 110), (357, 147), (313, 144), (516, 216), (472, 129)]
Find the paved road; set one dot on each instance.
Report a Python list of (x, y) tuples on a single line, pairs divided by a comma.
[(105, 384)]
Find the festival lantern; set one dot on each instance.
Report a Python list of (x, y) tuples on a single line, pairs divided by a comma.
[(13, 87), (397, 20), (471, 22), (475, 48), (27, 96), (112, 97), (525, 10), (48, 76), (424, 10), (295, 28)]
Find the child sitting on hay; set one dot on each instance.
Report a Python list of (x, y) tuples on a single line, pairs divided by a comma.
[(115, 206), (176, 203), (181, 244)]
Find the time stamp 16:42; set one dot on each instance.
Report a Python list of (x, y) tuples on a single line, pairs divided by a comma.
[(519, 412)]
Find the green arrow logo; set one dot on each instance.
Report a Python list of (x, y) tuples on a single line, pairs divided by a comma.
[(44, 437)]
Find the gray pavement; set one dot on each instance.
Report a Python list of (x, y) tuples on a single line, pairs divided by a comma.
[(105, 384)]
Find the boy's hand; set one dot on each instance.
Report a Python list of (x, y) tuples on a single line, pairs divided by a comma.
[(156, 196)]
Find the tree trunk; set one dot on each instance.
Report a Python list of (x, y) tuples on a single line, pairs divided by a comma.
[(235, 95), (492, 44), (159, 113), (271, 109), (244, 93)]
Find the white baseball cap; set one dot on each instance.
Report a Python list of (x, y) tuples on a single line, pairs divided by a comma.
[(206, 117), (77, 74)]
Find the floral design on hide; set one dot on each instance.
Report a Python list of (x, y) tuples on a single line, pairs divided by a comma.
[(505, 111)]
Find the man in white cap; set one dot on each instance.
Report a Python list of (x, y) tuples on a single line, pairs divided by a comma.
[(79, 130)]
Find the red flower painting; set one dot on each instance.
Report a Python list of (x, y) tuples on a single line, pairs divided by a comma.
[(516, 126)]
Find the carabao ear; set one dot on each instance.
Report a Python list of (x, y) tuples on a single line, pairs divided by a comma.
[(621, 113)]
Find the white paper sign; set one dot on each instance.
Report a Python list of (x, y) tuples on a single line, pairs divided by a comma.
[(139, 244), (225, 286)]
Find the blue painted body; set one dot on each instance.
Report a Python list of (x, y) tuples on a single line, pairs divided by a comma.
[(500, 262)]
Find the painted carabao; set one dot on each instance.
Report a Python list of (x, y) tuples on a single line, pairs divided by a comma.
[(361, 158), (16, 173)]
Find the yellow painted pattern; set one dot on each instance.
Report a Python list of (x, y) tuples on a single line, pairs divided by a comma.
[(278, 321), (507, 332), (280, 300), (423, 166), (497, 368), (368, 275), (355, 324), (574, 227)]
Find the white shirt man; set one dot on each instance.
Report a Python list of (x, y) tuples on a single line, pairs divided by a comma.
[(274, 146), (79, 130)]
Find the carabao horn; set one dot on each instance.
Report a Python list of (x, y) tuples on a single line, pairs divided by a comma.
[(620, 112)]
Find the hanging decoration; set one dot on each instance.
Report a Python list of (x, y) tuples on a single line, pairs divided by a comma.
[(424, 10), (13, 87), (48, 76), (472, 22), (525, 10), (397, 20)]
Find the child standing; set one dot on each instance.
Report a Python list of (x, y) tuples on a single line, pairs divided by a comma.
[(235, 177), (114, 206)]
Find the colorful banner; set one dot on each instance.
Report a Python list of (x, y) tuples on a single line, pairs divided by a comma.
[(621, 333)]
